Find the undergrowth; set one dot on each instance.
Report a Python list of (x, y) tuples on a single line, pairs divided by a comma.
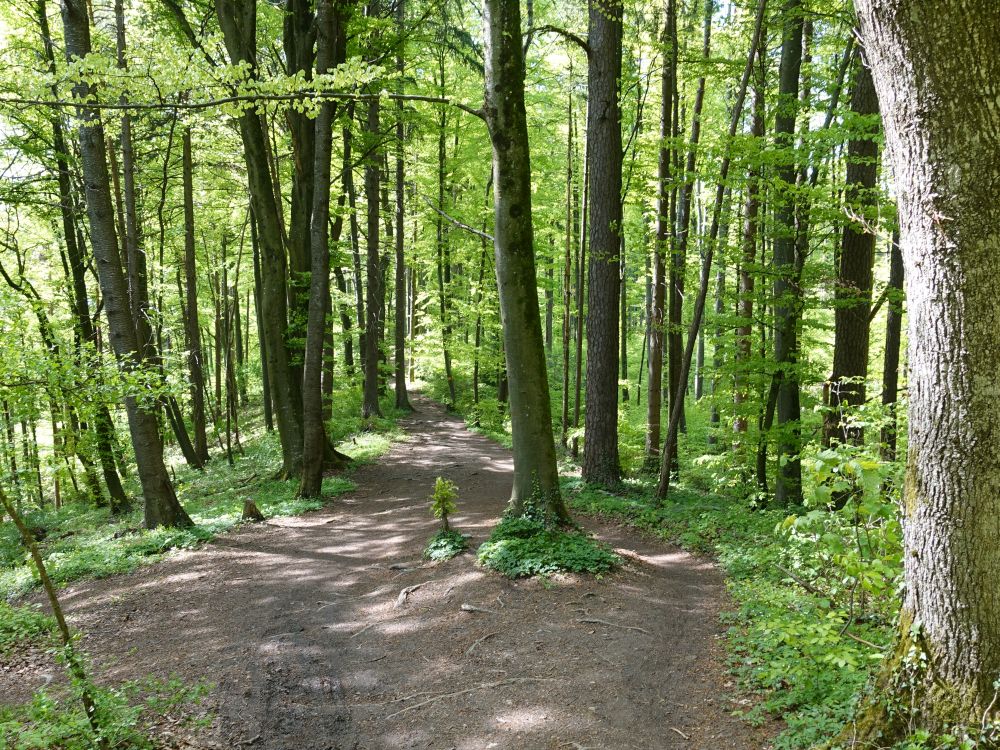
[(23, 624), (127, 715), (521, 547), (816, 595), (446, 544), (80, 541)]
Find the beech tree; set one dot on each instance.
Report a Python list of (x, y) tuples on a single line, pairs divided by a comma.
[(935, 69)]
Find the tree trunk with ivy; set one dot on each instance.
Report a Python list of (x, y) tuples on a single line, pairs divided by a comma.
[(935, 69)]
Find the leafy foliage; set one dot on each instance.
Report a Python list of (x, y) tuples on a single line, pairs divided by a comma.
[(521, 547), (126, 714), (446, 544), (22, 624), (443, 500)]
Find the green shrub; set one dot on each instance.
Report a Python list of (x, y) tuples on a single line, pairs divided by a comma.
[(443, 501), (20, 624), (520, 547), (446, 544)]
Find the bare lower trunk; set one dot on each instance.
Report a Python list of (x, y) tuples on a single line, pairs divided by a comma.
[(935, 70), (536, 479)]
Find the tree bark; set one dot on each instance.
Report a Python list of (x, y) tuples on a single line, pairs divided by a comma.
[(890, 366), (375, 286), (661, 247), (536, 480), (935, 69), (238, 21), (313, 431), (161, 505), (601, 464), (191, 318), (399, 337), (787, 295), (854, 278)]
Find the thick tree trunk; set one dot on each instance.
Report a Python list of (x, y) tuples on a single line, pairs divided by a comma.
[(787, 295), (536, 479), (161, 505), (854, 277), (936, 69), (601, 464), (191, 318)]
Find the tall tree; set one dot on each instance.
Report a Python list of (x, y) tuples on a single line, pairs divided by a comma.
[(161, 507), (854, 276), (788, 488), (192, 327), (601, 464), (661, 247), (399, 338), (238, 20), (313, 431), (536, 479), (935, 69)]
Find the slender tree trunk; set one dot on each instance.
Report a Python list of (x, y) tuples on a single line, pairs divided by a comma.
[(443, 256), (261, 341), (890, 367), (535, 476), (161, 506), (195, 370), (747, 272), (854, 277), (399, 339), (239, 23), (581, 289), (567, 264), (601, 464), (375, 287), (935, 69), (661, 246), (788, 488)]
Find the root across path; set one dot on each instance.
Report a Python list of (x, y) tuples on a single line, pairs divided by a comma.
[(329, 632)]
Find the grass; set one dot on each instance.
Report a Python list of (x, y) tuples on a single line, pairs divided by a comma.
[(85, 542)]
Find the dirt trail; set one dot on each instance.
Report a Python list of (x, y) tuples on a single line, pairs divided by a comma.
[(300, 625)]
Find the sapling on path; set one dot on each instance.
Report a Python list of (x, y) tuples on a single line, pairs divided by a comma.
[(446, 543)]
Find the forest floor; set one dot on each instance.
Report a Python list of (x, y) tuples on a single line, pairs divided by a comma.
[(327, 631)]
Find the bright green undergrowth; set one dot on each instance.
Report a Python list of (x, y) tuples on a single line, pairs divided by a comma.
[(23, 624), (81, 541), (55, 719), (816, 594), (446, 544), (520, 547)]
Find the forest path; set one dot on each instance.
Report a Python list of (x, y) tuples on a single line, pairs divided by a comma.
[(299, 624)]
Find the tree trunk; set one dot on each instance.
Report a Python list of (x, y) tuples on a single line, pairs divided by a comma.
[(536, 479), (238, 21), (161, 506), (854, 277), (787, 295), (601, 464), (567, 265), (191, 318), (661, 247), (890, 367), (399, 338), (375, 288), (935, 69), (313, 432)]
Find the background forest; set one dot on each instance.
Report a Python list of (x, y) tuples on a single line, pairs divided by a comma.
[(211, 318)]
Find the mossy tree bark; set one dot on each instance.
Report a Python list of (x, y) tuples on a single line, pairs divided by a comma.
[(936, 69), (536, 479)]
